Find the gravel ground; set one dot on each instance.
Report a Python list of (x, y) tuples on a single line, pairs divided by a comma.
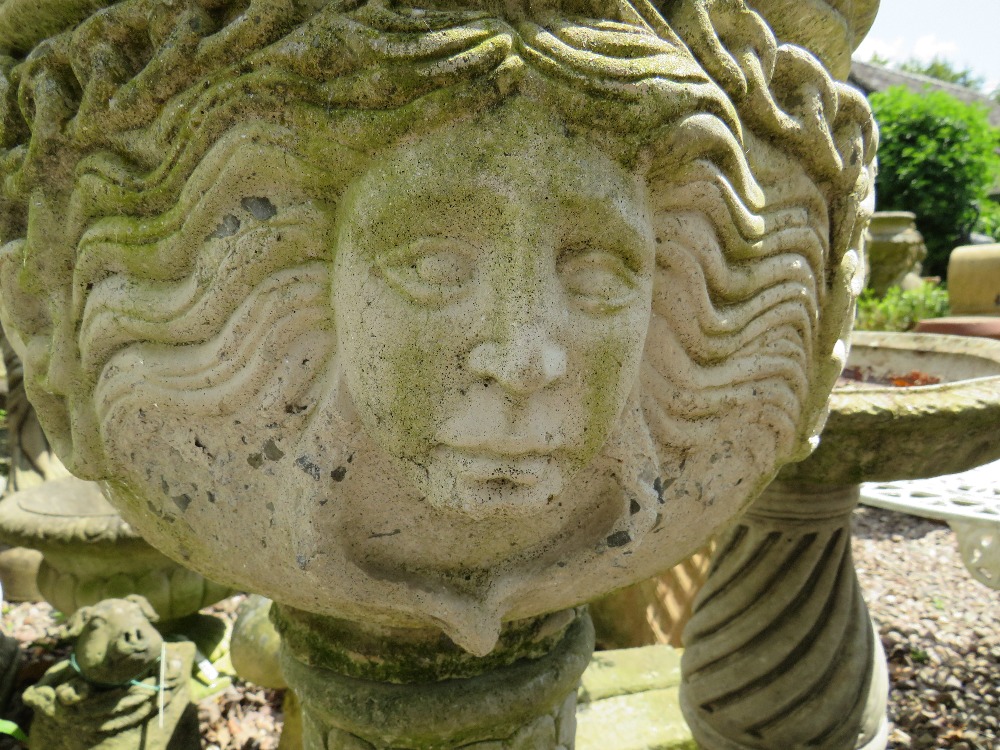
[(940, 630), (939, 627)]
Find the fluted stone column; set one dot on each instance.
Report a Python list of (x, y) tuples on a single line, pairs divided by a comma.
[(780, 651)]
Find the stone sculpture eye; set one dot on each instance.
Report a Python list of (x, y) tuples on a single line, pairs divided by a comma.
[(429, 271), (599, 280)]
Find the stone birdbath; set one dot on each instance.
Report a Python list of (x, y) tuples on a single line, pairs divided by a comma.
[(89, 553), (875, 432), (878, 433)]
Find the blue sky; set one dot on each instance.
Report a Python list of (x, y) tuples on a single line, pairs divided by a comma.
[(964, 32)]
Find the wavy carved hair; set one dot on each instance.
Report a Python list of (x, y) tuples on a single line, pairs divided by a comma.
[(759, 166)]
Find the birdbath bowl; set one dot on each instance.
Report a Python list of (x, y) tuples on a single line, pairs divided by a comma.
[(883, 434), (880, 433)]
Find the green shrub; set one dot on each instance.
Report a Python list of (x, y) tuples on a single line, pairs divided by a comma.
[(899, 310), (936, 158), (989, 219)]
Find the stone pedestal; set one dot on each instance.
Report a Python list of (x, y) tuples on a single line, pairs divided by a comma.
[(780, 650), (369, 688), (19, 573)]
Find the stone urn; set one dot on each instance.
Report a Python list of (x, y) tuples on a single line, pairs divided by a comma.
[(89, 553), (430, 323), (797, 534), (895, 249)]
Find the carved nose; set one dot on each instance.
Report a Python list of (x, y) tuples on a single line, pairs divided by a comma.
[(527, 362), (133, 638)]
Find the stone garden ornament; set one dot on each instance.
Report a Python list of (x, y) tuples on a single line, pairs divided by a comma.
[(437, 317), (121, 689)]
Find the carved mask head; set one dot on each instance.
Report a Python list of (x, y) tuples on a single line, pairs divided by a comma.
[(452, 317)]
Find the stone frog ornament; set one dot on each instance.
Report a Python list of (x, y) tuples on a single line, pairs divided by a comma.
[(112, 690), (441, 315)]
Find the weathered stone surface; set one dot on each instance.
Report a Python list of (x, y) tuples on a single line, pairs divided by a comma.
[(287, 314), (255, 644), (626, 671), (432, 318), (629, 701), (91, 554), (525, 705), (831, 29), (780, 652), (895, 250), (18, 573)]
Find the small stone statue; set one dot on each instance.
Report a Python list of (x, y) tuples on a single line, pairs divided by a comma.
[(123, 688)]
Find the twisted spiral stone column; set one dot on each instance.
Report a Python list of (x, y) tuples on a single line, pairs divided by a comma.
[(780, 650)]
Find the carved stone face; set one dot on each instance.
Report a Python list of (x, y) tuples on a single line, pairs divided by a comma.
[(492, 291), (486, 318), (451, 366)]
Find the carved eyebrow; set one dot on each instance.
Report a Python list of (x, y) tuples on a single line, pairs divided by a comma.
[(617, 232), (422, 212)]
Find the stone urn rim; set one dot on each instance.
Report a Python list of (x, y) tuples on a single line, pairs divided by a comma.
[(897, 215), (79, 513)]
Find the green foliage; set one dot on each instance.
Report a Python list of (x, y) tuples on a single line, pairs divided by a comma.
[(943, 70), (919, 655), (936, 158), (989, 219), (899, 310), (13, 730)]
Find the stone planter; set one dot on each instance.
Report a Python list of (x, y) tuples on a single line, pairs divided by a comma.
[(90, 553), (431, 323), (895, 249)]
